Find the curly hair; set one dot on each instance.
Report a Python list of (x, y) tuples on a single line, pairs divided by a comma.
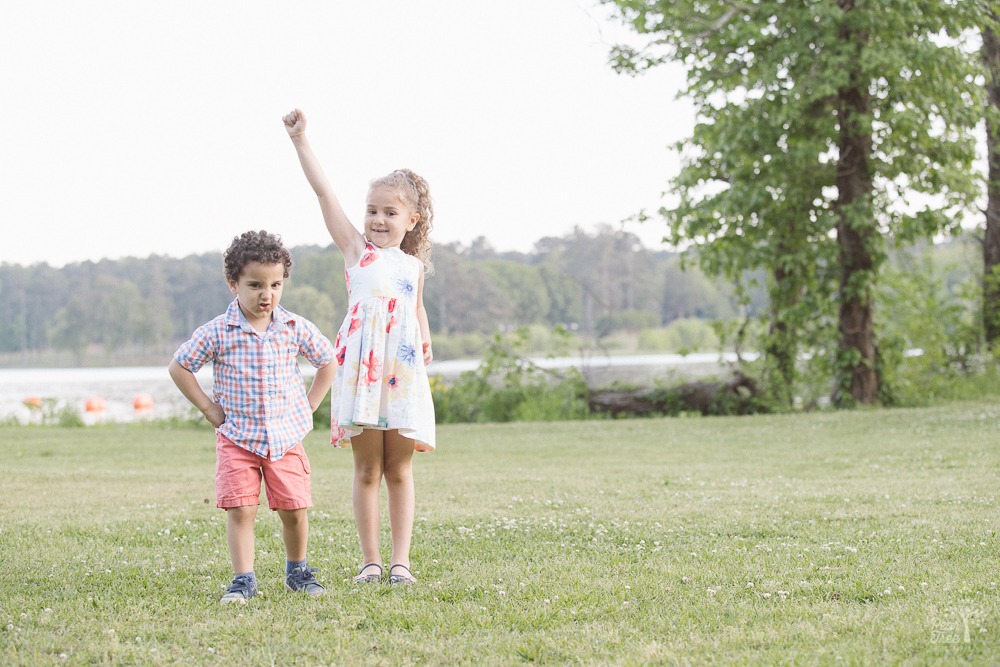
[(254, 247), (413, 191)]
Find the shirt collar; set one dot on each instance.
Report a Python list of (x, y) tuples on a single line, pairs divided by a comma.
[(235, 317)]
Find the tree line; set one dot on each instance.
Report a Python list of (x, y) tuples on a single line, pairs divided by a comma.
[(592, 282)]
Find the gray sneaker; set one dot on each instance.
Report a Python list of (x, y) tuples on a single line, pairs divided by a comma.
[(242, 589), (302, 579)]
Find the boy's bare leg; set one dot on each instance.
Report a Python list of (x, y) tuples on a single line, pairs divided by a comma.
[(240, 537), (299, 575), (295, 532)]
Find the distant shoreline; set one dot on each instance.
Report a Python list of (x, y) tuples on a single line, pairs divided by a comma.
[(118, 386)]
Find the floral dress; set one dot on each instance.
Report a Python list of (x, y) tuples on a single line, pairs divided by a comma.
[(381, 381)]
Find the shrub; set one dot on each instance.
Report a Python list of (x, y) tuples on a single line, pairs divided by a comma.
[(507, 387), (929, 338), (459, 346)]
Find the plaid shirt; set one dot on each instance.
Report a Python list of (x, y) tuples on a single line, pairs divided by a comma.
[(256, 378)]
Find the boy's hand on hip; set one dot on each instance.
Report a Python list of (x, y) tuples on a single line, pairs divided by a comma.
[(215, 415)]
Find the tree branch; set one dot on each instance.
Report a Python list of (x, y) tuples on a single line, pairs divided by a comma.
[(714, 27)]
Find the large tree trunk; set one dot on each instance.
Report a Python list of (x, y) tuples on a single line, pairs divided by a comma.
[(991, 239), (856, 233)]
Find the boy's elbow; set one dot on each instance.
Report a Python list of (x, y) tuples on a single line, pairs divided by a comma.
[(176, 370)]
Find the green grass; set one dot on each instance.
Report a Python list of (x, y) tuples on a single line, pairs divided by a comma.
[(832, 538)]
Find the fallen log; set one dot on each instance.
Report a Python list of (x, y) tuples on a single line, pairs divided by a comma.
[(736, 395)]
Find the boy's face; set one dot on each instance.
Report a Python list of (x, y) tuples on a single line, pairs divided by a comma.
[(258, 291)]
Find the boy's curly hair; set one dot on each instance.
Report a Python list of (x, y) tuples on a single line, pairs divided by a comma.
[(414, 191), (254, 247)]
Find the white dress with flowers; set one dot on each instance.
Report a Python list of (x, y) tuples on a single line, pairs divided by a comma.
[(381, 381)]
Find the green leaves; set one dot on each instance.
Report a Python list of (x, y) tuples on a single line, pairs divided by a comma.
[(820, 124)]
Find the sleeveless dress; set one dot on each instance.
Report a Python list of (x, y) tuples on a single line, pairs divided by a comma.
[(381, 381)]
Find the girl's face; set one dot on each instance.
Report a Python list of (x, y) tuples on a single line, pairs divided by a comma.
[(388, 218)]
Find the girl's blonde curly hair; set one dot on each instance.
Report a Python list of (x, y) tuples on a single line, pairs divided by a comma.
[(413, 191)]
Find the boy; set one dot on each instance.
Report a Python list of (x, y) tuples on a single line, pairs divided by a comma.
[(260, 407)]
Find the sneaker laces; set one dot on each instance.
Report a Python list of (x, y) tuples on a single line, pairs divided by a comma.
[(303, 579), (242, 583)]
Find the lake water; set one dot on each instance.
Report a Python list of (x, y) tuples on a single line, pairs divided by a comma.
[(119, 387), (116, 387)]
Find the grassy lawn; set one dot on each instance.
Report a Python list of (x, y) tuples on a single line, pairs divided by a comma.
[(866, 537)]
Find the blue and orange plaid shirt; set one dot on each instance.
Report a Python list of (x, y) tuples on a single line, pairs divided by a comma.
[(256, 378)]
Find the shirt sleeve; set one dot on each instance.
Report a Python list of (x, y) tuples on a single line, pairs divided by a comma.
[(314, 346), (199, 350)]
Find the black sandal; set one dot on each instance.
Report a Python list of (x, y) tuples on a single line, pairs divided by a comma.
[(408, 578), (362, 578)]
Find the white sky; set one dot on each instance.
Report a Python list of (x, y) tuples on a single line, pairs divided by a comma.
[(133, 127)]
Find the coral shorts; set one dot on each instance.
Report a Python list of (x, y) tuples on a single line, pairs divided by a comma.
[(238, 474)]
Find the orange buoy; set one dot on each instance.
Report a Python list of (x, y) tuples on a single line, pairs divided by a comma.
[(33, 402), (95, 404), (142, 402)]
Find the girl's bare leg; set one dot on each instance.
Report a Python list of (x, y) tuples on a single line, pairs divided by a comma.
[(368, 449), (398, 459)]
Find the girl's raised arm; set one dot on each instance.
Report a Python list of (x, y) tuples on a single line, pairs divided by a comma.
[(345, 235)]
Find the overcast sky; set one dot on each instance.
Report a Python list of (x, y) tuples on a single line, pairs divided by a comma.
[(133, 127)]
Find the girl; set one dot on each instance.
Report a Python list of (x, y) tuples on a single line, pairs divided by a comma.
[(380, 399)]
